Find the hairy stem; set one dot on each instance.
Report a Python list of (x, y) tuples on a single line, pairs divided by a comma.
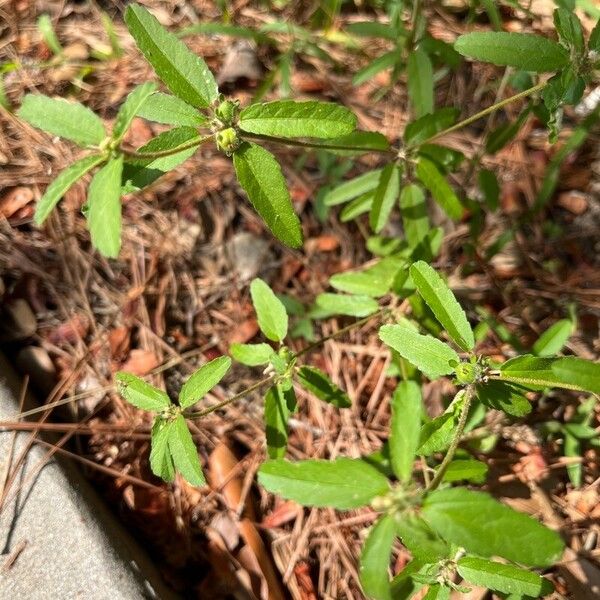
[(196, 141), (462, 421)]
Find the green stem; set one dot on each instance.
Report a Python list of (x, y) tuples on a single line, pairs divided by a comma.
[(462, 421), (313, 145), (196, 141), (485, 112)]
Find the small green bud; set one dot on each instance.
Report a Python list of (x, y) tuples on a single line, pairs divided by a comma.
[(227, 141), (227, 111), (467, 373)]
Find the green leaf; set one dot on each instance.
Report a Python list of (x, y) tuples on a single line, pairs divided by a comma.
[(424, 544), (170, 110), (260, 175), (442, 302), (490, 188), (226, 29), (480, 524), (381, 63), (505, 133), (507, 397), (440, 189), (69, 120), (428, 125), (583, 373), (502, 578), (428, 354), (572, 448), (104, 208), (288, 119), (521, 50), (184, 453), (436, 435), (420, 82), (46, 28), (569, 30), (277, 412), (414, 214), (362, 142), (437, 591), (59, 186), (373, 29), (184, 73), (343, 483), (466, 470), (594, 39), (375, 281), (551, 342), (141, 394), (327, 305), (251, 355), (203, 380), (130, 108), (375, 559), (315, 381), (358, 206), (352, 188), (270, 311), (385, 197), (161, 462), (406, 404)]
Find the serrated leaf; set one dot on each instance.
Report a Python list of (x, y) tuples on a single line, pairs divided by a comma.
[(69, 120), (203, 380), (471, 470), (419, 71), (381, 63), (443, 303), (424, 544), (584, 373), (276, 414), (375, 559), (327, 305), (315, 381), (260, 175), (482, 525), (141, 394), (59, 186), (130, 108), (385, 197), (440, 189), (104, 208), (569, 29), (406, 404), (161, 462), (251, 355), (428, 354), (352, 188), (502, 577), (270, 311), (184, 452), (373, 281), (427, 126), (520, 50), (184, 73), (551, 342), (414, 214), (170, 110), (343, 483), (288, 119)]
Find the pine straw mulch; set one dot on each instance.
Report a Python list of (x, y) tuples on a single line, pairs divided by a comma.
[(174, 300)]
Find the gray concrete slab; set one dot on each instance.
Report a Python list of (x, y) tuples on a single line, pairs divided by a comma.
[(62, 541)]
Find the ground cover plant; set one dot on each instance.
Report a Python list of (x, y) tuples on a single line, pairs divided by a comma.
[(422, 484)]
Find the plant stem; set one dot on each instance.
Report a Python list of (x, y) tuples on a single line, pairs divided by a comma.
[(196, 141), (462, 421), (314, 145), (485, 112)]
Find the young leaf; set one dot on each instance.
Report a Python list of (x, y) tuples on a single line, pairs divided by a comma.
[(437, 591), (46, 28), (251, 355), (373, 281), (420, 82), (440, 189), (480, 524), (288, 118), (428, 125), (277, 413), (327, 305), (184, 453), (502, 578), (414, 214), (130, 108), (184, 73), (466, 470), (69, 120), (260, 175), (594, 39), (551, 342), (343, 483), (385, 197), (569, 29), (424, 544), (203, 380), (442, 302), (170, 110), (141, 394), (375, 559), (271, 313), (521, 50), (59, 186), (404, 430), (104, 208), (352, 188), (315, 381), (161, 462), (428, 354)]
